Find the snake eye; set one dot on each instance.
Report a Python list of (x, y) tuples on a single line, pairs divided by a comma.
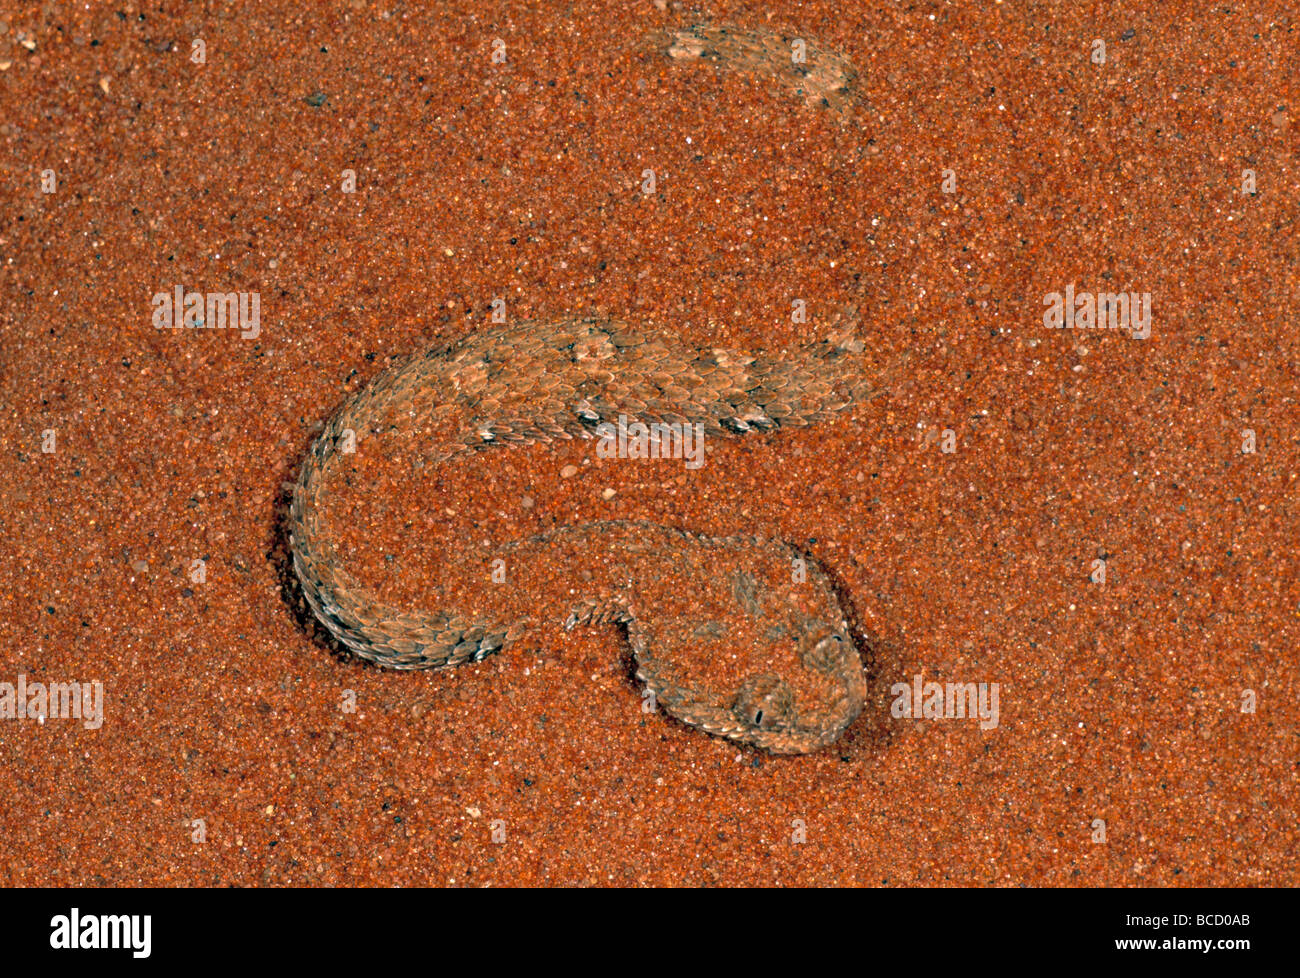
[(765, 703)]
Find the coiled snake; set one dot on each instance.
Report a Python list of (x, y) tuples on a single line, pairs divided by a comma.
[(742, 637)]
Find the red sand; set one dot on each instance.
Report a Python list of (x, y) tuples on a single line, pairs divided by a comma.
[(1119, 701)]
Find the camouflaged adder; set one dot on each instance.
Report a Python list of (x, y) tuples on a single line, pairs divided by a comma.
[(542, 381)]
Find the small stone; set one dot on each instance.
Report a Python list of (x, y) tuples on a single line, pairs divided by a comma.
[(568, 472), (609, 493)]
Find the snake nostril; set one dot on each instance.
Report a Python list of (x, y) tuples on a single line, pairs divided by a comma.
[(824, 654)]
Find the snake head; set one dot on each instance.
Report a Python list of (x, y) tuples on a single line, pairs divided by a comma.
[(787, 713), (767, 712)]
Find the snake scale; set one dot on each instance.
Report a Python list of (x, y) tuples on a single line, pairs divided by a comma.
[(742, 637)]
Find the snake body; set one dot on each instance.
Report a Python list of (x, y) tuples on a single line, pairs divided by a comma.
[(741, 636)]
